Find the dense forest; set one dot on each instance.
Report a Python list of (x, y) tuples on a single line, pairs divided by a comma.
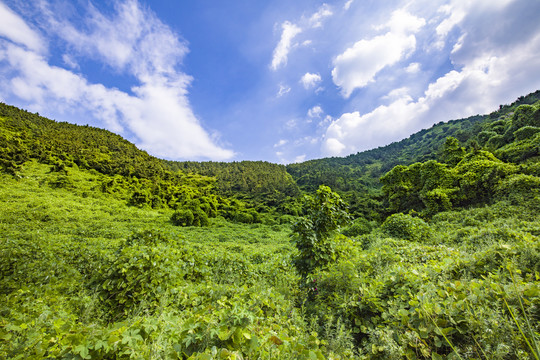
[(428, 248)]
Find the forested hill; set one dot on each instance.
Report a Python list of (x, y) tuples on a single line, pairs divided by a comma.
[(362, 170), (26, 135), (256, 181)]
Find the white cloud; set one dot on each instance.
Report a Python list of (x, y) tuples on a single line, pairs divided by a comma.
[(358, 65), (310, 80), (300, 158), (348, 4), (281, 143), (315, 112), (13, 27), (479, 87), (157, 113), (413, 68), (281, 52), (291, 124), (283, 89), (333, 147), (316, 19), (70, 61), (290, 31)]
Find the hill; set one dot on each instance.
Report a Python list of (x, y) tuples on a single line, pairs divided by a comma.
[(356, 177), (109, 253)]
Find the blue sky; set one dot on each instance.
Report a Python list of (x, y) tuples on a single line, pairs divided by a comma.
[(281, 81)]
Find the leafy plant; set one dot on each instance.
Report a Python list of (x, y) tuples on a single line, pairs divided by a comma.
[(324, 212)]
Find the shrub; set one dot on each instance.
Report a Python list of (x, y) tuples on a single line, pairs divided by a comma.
[(484, 136), (142, 270), (526, 132), (312, 234), (519, 187), (495, 142), (523, 116), (200, 218), (182, 218), (404, 226), (243, 217), (359, 227)]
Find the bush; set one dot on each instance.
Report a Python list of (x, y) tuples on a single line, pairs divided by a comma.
[(182, 218), (186, 217), (243, 217), (313, 233), (404, 226), (519, 187), (359, 227), (523, 116), (526, 132), (142, 270)]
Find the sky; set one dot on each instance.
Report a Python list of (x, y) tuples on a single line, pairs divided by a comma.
[(279, 80)]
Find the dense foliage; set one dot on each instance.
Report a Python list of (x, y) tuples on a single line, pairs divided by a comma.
[(109, 253)]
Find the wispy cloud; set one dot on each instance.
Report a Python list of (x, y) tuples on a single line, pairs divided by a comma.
[(291, 30), (317, 18), (283, 89), (281, 52), (14, 28)]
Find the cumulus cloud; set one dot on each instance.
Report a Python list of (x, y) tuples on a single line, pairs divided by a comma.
[(358, 65), (157, 113), (281, 52), (310, 80)]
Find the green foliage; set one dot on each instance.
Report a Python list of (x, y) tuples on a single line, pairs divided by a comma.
[(182, 218), (187, 217), (359, 226), (479, 174), (141, 270), (407, 227), (526, 132), (79, 279), (324, 212), (428, 186), (519, 188), (452, 151), (257, 183)]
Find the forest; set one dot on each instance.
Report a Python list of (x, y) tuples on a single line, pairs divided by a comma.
[(428, 248)]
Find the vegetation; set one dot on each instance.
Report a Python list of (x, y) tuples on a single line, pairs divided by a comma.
[(109, 253)]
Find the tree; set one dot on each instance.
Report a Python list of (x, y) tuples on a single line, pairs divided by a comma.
[(313, 234), (452, 152)]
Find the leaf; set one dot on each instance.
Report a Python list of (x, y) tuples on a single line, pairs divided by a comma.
[(224, 333), (274, 339)]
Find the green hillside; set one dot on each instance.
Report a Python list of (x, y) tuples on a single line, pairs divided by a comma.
[(356, 177), (428, 248)]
